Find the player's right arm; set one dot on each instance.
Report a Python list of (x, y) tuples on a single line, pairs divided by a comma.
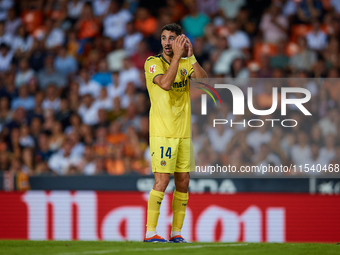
[(166, 80)]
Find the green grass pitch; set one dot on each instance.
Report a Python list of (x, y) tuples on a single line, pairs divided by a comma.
[(140, 248)]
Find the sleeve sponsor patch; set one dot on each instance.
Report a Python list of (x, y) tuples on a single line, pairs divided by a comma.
[(152, 69)]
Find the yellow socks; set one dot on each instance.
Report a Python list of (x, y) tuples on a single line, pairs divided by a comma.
[(154, 205), (179, 205)]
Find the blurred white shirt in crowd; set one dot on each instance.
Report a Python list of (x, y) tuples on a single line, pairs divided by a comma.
[(54, 105), (129, 75), (74, 9), (219, 141), (238, 40), (91, 87), (271, 32), (223, 63), (4, 6), (114, 24), (115, 91), (115, 59), (89, 115), (60, 164), (22, 78), (100, 7), (300, 155), (12, 25), (131, 42), (6, 39), (24, 44), (326, 154), (336, 5), (231, 7), (104, 103), (55, 38), (316, 41), (5, 61), (256, 138)]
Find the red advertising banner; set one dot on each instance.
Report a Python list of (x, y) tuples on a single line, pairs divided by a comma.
[(91, 215)]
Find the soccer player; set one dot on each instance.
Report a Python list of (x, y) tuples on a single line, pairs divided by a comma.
[(167, 79)]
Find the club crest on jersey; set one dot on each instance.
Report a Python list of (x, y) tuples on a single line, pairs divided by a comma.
[(184, 72), (163, 163), (152, 69)]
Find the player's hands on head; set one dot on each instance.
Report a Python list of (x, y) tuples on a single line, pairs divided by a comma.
[(189, 51), (178, 46)]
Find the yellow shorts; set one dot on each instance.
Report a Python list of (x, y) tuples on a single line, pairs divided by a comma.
[(170, 155)]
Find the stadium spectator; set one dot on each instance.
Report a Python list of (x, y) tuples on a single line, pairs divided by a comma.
[(100, 7), (142, 53), (87, 26), (6, 57), (88, 111), (131, 39), (115, 58), (115, 89), (12, 21), (43, 152), (274, 25), (305, 58), (237, 39), (24, 74), (195, 22), (61, 161), (308, 10), (316, 161), (88, 164), (22, 42), (115, 22), (5, 37), (301, 152), (64, 63), (257, 137), (219, 137), (74, 9), (52, 101), (24, 100), (103, 101), (145, 23), (103, 76), (280, 60), (53, 35), (230, 8), (316, 39), (48, 75), (129, 73)]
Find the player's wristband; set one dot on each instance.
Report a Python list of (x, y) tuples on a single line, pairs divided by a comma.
[(192, 59)]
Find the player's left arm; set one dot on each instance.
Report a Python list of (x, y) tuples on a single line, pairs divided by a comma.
[(198, 71)]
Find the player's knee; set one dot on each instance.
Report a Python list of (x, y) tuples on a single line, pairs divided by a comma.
[(161, 183), (182, 184)]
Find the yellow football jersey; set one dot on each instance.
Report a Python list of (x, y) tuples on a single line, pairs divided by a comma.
[(170, 112)]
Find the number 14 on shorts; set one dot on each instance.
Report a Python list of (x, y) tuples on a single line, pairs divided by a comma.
[(167, 153)]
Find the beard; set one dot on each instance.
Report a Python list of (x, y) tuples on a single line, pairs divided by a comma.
[(169, 53)]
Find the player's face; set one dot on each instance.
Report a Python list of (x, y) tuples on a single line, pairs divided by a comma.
[(167, 39)]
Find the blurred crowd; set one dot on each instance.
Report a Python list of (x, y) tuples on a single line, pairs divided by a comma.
[(73, 98)]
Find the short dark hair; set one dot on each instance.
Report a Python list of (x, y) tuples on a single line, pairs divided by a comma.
[(173, 27)]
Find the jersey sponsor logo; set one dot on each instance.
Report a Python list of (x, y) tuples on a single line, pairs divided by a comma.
[(152, 69), (179, 84), (163, 163), (183, 72)]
